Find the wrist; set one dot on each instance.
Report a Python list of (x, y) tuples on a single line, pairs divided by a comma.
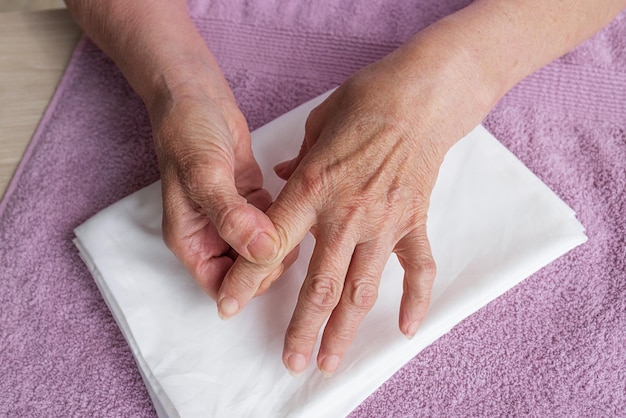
[(158, 49), (469, 71), (496, 64), (447, 88), (184, 82)]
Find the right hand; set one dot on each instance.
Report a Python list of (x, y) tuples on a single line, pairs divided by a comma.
[(213, 200)]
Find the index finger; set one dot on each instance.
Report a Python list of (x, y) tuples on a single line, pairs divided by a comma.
[(293, 216)]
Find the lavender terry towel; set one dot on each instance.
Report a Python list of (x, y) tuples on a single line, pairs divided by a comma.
[(552, 346)]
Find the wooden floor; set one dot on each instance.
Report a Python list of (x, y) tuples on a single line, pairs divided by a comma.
[(35, 48), (30, 5)]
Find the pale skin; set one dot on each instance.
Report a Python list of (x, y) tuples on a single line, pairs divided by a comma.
[(362, 180)]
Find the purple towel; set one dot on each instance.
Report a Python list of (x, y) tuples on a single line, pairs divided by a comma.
[(552, 346)]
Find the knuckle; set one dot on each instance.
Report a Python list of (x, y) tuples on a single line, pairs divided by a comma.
[(398, 201), (396, 195), (427, 269), (312, 180), (197, 181), (203, 172), (322, 292), (229, 218), (362, 293), (354, 215), (416, 218)]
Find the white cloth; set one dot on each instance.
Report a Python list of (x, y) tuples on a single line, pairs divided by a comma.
[(491, 224)]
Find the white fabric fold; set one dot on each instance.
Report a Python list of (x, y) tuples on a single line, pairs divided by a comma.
[(491, 223)]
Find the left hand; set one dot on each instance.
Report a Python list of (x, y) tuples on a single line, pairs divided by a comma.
[(213, 200), (361, 184)]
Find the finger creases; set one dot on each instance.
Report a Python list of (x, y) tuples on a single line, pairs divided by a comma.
[(194, 240), (319, 295), (415, 256), (290, 220), (293, 214), (241, 283), (240, 221), (357, 299)]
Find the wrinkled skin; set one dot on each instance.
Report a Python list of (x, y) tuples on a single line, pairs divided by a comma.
[(362, 180), (361, 184), (198, 202)]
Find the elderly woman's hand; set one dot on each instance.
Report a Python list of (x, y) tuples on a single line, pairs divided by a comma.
[(213, 198), (371, 154), (361, 184), (212, 187), (363, 178)]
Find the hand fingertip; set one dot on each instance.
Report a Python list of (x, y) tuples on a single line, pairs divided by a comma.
[(294, 374), (296, 364), (329, 365), (285, 169), (227, 307), (280, 167), (411, 329)]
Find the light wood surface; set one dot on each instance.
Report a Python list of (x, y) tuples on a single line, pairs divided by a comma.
[(34, 50), (30, 5)]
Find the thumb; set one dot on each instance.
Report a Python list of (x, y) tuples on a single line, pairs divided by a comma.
[(293, 214), (248, 230)]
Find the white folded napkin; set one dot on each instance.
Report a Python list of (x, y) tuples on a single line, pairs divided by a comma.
[(491, 223)]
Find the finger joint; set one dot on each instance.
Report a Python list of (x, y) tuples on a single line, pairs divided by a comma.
[(362, 294), (322, 292)]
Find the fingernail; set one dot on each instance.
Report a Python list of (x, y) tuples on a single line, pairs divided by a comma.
[(412, 329), (296, 364), (227, 307), (262, 247), (329, 365)]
